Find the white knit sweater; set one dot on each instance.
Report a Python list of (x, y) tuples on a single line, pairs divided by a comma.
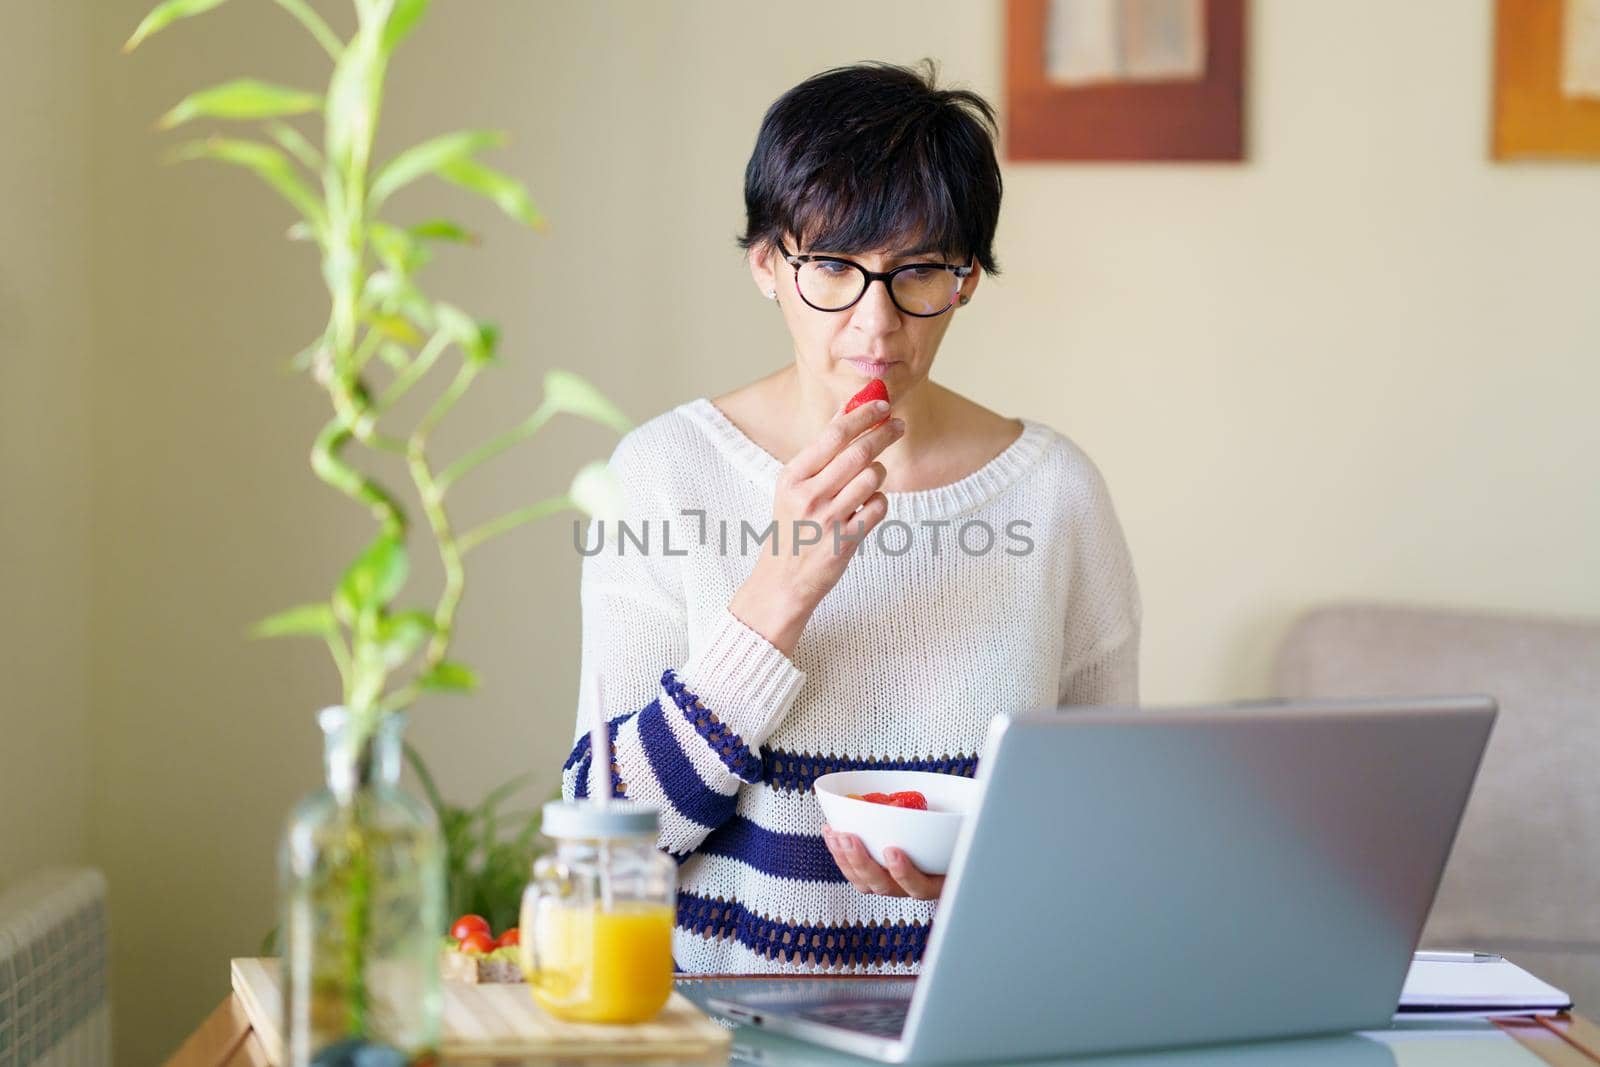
[(903, 664)]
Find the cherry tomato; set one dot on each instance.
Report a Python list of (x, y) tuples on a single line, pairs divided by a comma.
[(477, 943), (470, 924), (512, 936)]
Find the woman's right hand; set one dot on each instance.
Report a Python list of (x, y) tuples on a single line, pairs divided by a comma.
[(821, 488)]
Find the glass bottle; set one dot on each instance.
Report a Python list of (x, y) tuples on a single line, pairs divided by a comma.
[(597, 917), (362, 892)]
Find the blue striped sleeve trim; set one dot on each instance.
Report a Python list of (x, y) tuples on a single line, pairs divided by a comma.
[(839, 945), (799, 770), (580, 752), (581, 758), (803, 857), (727, 744), (682, 784)]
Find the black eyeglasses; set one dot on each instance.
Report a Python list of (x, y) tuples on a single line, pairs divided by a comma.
[(829, 283)]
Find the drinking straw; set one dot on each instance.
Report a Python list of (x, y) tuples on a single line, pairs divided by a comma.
[(600, 747), (600, 781)]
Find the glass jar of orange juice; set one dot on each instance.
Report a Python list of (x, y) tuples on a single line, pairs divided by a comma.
[(597, 917)]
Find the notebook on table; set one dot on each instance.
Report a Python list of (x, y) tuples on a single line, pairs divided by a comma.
[(1483, 986)]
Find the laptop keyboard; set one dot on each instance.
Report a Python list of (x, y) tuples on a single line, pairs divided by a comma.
[(880, 1018)]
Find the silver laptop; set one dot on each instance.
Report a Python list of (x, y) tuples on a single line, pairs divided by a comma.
[(1166, 877)]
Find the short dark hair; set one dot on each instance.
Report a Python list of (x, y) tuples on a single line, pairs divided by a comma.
[(857, 157)]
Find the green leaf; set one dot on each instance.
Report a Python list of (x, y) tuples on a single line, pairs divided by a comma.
[(165, 15), (490, 806), (530, 830), (595, 491), (396, 328), (483, 347), (508, 193), (376, 575), (477, 339), (443, 230), (294, 142), (425, 776), (566, 393), (387, 297), (307, 620), (393, 245), (402, 633), (269, 164), (486, 863), (404, 19), (314, 25), (428, 158), (449, 676), (401, 252), (242, 98), (304, 358)]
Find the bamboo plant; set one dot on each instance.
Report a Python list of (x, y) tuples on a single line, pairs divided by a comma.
[(385, 340), (383, 337)]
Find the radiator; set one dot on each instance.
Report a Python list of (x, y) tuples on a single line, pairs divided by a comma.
[(54, 1009)]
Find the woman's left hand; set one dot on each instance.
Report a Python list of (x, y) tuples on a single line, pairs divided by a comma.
[(899, 879)]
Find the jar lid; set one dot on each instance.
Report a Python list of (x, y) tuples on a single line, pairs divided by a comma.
[(586, 818)]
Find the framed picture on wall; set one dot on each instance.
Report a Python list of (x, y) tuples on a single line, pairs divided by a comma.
[(1125, 79), (1546, 79)]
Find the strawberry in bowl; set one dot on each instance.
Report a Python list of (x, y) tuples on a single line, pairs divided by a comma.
[(917, 812)]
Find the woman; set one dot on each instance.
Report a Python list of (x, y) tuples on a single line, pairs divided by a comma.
[(826, 590)]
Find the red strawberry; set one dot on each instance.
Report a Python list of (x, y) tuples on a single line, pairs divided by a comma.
[(873, 390), (910, 798)]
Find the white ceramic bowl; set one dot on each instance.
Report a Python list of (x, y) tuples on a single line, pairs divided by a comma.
[(926, 837)]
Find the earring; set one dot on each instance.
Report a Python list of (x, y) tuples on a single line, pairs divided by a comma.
[(964, 300), (772, 294)]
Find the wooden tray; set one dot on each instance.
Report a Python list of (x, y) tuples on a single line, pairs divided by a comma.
[(487, 1022)]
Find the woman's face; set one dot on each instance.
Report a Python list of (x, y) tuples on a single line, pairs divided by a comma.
[(842, 350)]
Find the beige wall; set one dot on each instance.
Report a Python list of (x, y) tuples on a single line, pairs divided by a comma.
[(44, 436), (1362, 364)]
